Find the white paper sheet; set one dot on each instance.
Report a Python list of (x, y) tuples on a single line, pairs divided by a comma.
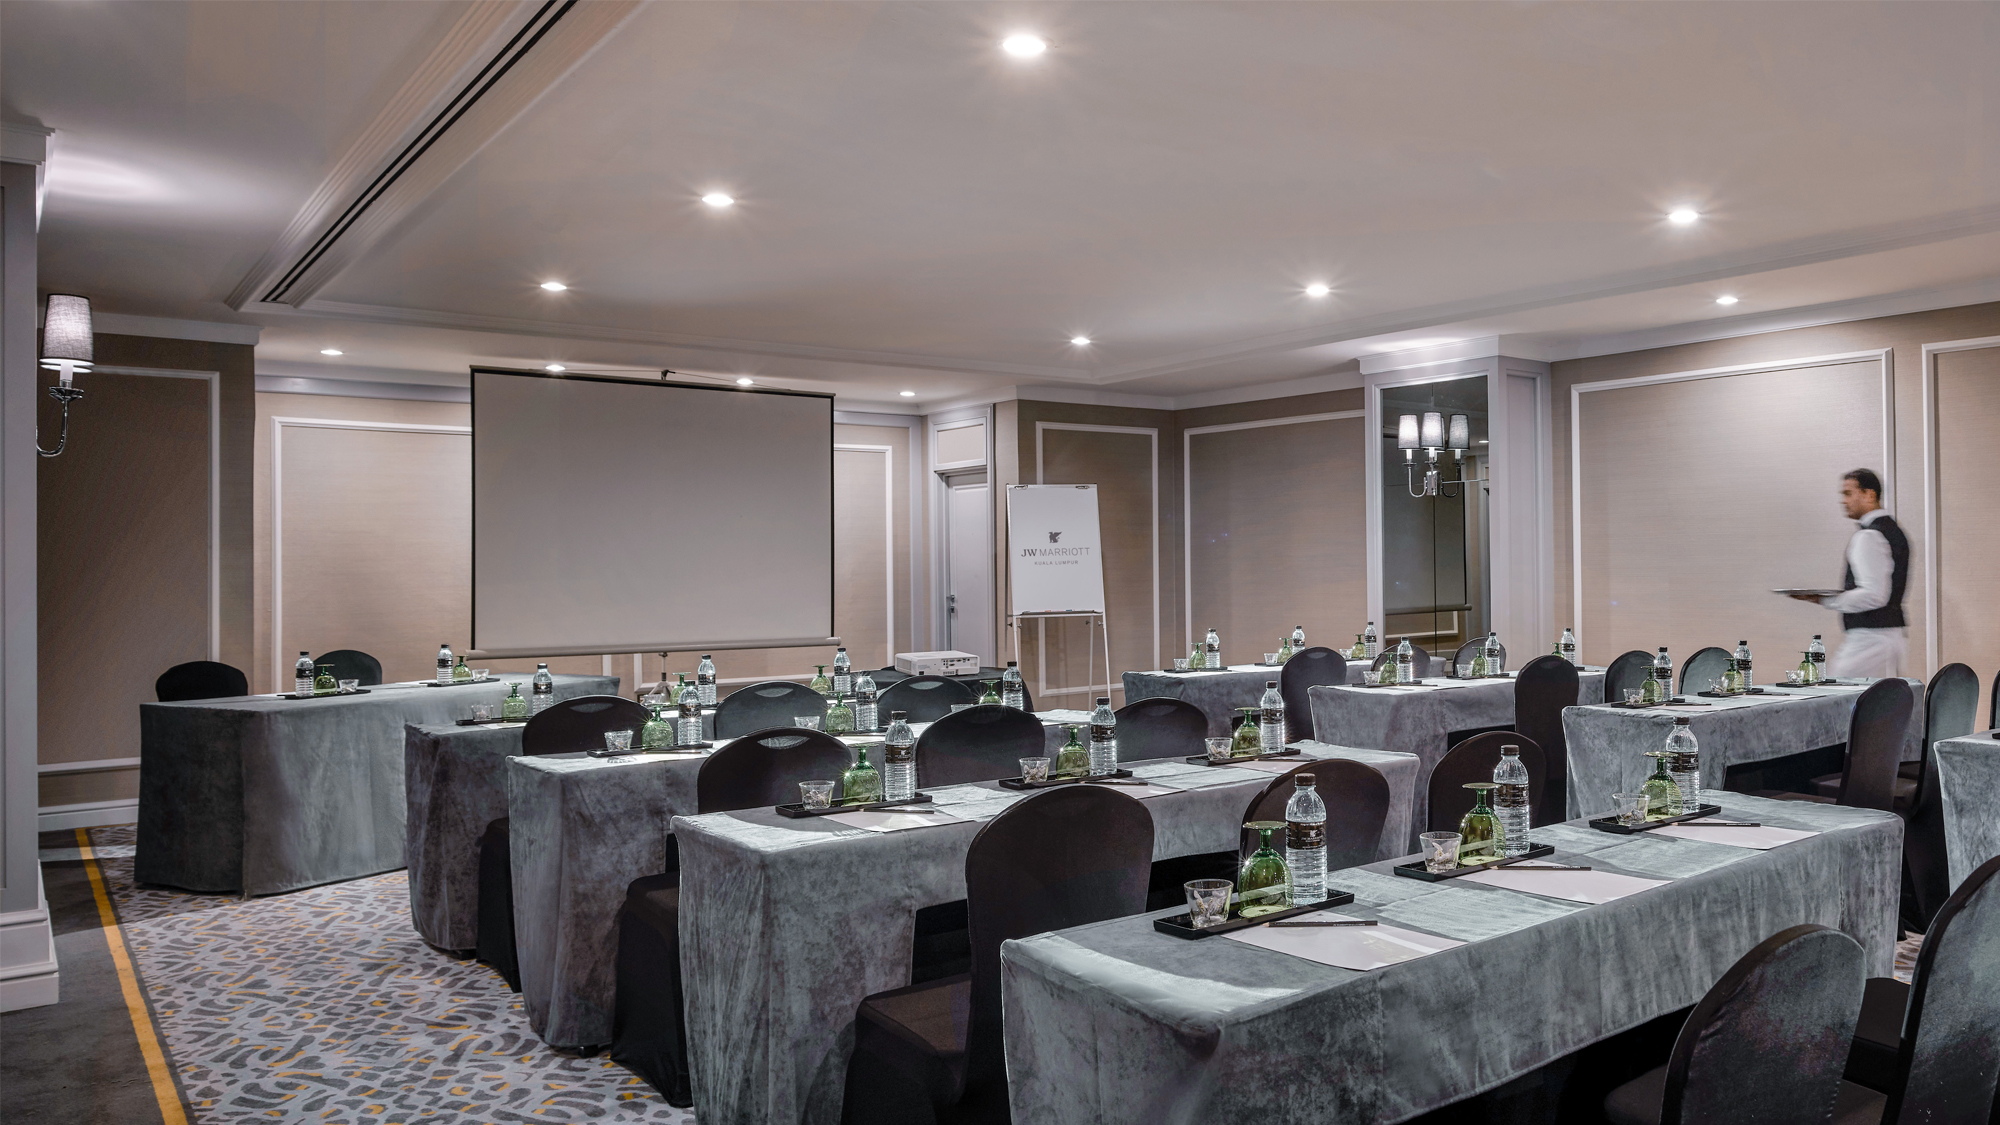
[(1140, 792), (1762, 839), (1275, 765), (1346, 947), (1591, 887), (889, 820)]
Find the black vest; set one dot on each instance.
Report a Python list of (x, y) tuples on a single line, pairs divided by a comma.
[(1889, 616)]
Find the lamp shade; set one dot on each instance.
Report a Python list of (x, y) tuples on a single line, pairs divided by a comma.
[(1459, 433), (1406, 432), (1433, 430), (66, 329)]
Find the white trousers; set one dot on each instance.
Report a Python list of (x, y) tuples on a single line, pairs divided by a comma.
[(1870, 652)]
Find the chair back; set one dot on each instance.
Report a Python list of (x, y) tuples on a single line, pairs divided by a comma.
[(352, 664), (1770, 1040), (1993, 708), (982, 743), (1949, 1062), (1875, 736), (1627, 673), (1357, 805), (1703, 668), (1470, 649), (580, 724), (1545, 686), (1473, 760), (1420, 661), (200, 679), (1062, 857), (773, 703), (925, 699), (1951, 704), (765, 769), (1318, 666), (1160, 727)]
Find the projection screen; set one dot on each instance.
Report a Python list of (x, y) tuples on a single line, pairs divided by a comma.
[(619, 515)]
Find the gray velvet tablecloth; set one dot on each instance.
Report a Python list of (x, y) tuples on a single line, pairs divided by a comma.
[(1607, 745), (786, 925), (261, 795), (1219, 694), (1421, 720), (1968, 772), (1116, 1023)]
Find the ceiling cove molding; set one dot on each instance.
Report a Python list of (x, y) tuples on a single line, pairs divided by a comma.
[(170, 328), (495, 62)]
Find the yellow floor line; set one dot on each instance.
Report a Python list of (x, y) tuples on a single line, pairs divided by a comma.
[(164, 1090)]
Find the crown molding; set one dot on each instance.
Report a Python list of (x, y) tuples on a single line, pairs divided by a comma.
[(171, 328), (22, 143), (361, 388)]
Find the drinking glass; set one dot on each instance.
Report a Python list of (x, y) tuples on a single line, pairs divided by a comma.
[(1440, 851), (349, 687), (1371, 677), (617, 741), (1180, 663), (1465, 670), (1271, 659), (1794, 677), (1208, 902), (1218, 748), (806, 722), (816, 794), (1631, 808), (1633, 695), (1034, 769), (482, 673), (481, 712), (991, 696)]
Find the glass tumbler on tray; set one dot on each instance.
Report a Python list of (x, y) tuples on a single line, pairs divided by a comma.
[(816, 794), (1208, 902), (1264, 886), (1440, 851), (1480, 832)]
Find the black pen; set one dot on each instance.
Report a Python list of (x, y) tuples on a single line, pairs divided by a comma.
[(1316, 922), (1720, 824), (1540, 867)]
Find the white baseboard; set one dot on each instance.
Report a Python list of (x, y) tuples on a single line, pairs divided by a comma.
[(89, 814), (28, 977)]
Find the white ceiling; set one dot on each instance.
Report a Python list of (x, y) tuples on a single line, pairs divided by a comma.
[(918, 210)]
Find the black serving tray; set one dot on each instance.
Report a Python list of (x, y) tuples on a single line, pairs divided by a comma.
[(1733, 694), (800, 812), (1204, 760), (1017, 783), (1185, 671), (1181, 925), (1610, 823), (329, 695), (460, 683), (1416, 870), (1419, 683), (487, 722)]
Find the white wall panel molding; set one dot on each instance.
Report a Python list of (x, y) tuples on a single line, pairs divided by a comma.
[(888, 454), (1929, 375), (28, 971), (88, 814)]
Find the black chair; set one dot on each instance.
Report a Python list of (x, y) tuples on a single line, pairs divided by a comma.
[(571, 725), (648, 1020), (1951, 706), (200, 679), (1470, 649), (352, 664), (1766, 1044), (1318, 666), (933, 1052), (1160, 727), (924, 699), (1993, 708), (773, 703), (1545, 686), (982, 743), (1875, 735), (1420, 661), (1703, 668), (1627, 673), (1933, 1045), (1473, 760)]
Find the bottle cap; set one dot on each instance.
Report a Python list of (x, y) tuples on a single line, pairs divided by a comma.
[(898, 714), (1680, 720), (706, 656), (1510, 749), (1815, 636), (1104, 701), (1269, 684), (1305, 780), (1742, 643), (1011, 664)]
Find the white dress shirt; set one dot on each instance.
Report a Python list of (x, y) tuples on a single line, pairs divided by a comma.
[(1874, 569)]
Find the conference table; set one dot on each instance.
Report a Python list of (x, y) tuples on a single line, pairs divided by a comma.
[(1115, 1022), (1607, 745), (1968, 776), (786, 925), (1221, 694), (1425, 719), (259, 795)]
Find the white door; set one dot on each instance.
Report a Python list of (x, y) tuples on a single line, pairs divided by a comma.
[(969, 566)]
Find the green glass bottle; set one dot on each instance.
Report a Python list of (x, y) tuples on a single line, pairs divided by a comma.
[(1479, 662), (1248, 739), (861, 784), (658, 733), (819, 682), (460, 674), (324, 683), (1479, 832), (839, 717), (1360, 649), (1663, 797), (1264, 886), (991, 694), (514, 708), (1073, 760), (1284, 648)]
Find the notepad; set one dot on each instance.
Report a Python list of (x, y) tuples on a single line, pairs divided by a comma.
[(1762, 839), (1590, 887), (889, 820), (1347, 947)]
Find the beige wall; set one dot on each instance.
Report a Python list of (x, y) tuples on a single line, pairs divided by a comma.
[(1967, 404)]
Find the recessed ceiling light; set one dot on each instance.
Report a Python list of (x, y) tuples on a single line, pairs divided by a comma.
[(1725, 300), (1024, 46), (1683, 215), (555, 367), (719, 200), (745, 381), (909, 394), (554, 286), (1318, 289), (1080, 341), (331, 351)]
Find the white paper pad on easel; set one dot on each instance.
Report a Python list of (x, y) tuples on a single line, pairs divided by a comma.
[(889, 820), (1346, 947), (1763, 839), (1577, 886)]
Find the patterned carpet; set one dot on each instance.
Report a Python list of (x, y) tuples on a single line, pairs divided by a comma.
[(323, 1005)]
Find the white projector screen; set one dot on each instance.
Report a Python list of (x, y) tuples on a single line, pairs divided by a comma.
[(615, 515)]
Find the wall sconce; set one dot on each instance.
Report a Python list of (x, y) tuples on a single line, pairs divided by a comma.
[(66, 335), (1433, 434)]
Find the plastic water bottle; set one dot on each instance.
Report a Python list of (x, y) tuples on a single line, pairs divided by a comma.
[(899, 759), (1406, 663), (444, 666), (843, 674), (1371, 642), (1495, 663), (1510, 800), (1663, 674), (1104, 738), (544, 692), (866, 715), (302, 674), (1743, 664), (1305, 842), (1211, 650), (1271, 723), (1013, 692), (704, 680), (687, 731), (1684, 763), (1816, 653), (1566, 648), (1298, 638)]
